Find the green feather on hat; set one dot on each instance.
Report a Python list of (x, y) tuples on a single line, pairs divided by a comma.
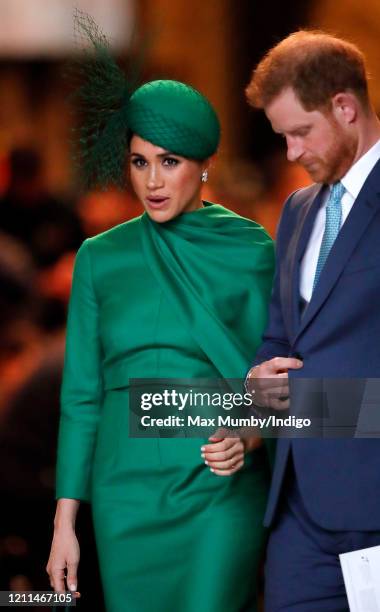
[(167, 113)]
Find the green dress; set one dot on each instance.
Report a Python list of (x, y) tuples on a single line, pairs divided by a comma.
[(187, 298)]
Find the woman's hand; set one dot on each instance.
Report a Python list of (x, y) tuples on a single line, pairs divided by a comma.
[(64, 552), (63, 560), (225, 456)]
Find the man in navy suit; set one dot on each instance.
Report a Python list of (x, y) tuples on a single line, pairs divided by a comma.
[(324, 320)]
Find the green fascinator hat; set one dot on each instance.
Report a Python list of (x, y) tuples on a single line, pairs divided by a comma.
[(167, 113), (174, 116)]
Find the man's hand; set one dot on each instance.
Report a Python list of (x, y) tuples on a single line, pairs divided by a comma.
[(268, 382)]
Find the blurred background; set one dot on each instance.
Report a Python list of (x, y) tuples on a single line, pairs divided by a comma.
[(211, 44)]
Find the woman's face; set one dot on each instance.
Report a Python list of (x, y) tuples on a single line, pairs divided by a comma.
[(166, 184)]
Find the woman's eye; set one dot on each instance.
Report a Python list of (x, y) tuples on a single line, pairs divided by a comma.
[(138, 162), (170, 161)]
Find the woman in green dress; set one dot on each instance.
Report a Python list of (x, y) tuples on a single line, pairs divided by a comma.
[(179, 292)]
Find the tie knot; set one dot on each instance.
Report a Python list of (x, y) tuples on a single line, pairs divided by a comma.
[(337, 191)]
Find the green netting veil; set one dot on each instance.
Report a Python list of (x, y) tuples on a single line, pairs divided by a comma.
[(167, 113)]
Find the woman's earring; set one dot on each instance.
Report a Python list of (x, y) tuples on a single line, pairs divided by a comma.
[(204, 176)]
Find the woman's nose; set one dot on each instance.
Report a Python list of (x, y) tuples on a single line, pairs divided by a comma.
[(155, 179)]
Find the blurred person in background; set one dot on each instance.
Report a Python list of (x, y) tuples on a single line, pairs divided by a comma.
[(46, 226), (99, 211), (31, 363), (19, 314), (28, 431), (49, 228), (180, 291)]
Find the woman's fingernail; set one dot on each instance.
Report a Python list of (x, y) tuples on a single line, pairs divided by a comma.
[(73, 587), (203, 449), (211, 470), (206, 462), (202, 455)]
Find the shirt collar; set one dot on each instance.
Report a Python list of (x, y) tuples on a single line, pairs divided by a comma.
[(355, 178)]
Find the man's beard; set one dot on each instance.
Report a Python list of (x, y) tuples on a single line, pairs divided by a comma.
[(336, 160)]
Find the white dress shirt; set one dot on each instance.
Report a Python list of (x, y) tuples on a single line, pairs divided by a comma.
[(352, 181)]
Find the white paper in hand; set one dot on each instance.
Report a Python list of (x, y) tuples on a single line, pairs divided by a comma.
[(361, 573)]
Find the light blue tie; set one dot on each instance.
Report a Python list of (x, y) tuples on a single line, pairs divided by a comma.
[(332, 226)]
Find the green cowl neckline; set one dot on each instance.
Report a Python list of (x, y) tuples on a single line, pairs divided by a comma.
[(210, 215), (216, 269)]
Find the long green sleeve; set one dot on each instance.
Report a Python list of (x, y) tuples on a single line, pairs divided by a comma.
[(81, 387)]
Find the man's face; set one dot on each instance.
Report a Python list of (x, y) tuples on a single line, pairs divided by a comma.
[(319, 141)]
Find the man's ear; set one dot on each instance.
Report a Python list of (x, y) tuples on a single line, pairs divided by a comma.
[(345, 107)]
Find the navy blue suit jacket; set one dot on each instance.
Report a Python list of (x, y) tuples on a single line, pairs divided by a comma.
[(337, 337)]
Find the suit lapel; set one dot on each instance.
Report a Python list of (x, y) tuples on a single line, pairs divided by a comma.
[(296, 250), (365, 207)]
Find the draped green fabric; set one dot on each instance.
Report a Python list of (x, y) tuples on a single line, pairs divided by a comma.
[(183, 299), (216, 268)]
